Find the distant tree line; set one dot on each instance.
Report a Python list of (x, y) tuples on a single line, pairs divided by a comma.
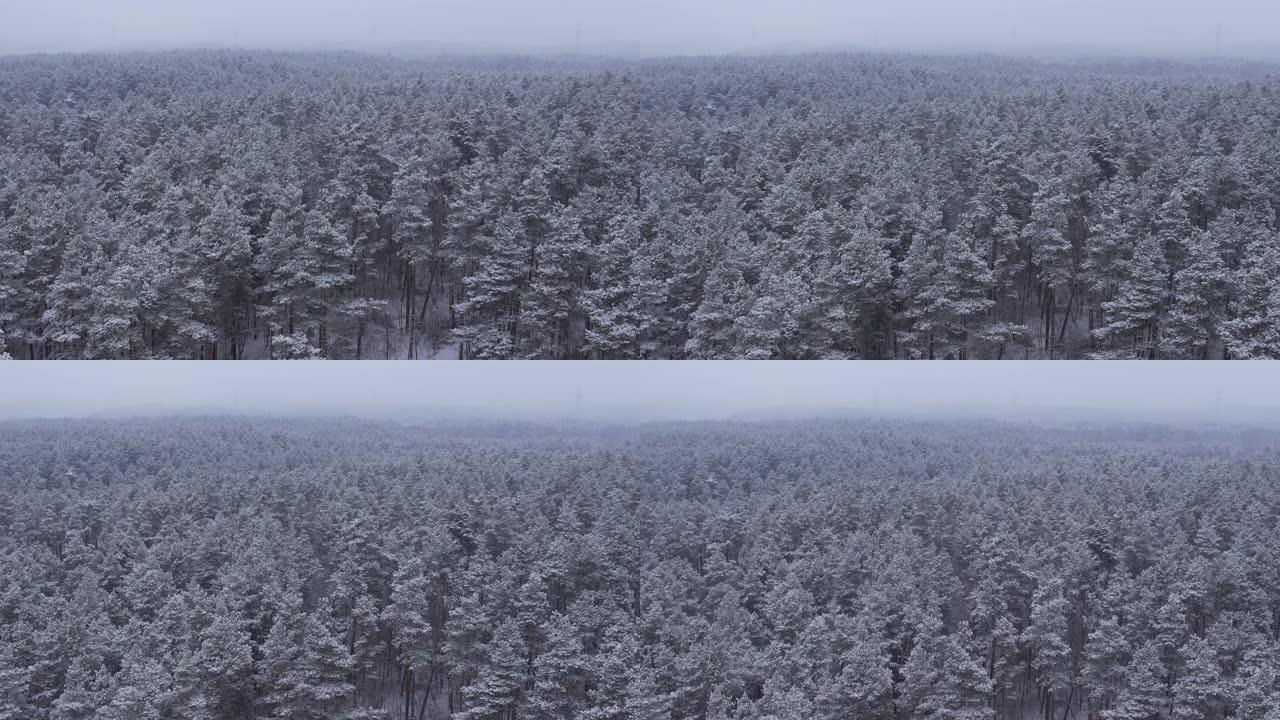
[(224, 569), (229, 205)]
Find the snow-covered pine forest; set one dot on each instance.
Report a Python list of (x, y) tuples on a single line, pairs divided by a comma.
[(231, 568), (255, 205)]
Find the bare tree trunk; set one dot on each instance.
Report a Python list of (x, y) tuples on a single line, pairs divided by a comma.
[(426, 694), (1066, 316)]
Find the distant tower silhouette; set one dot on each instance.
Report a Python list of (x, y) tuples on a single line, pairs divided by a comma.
[(1217, 41), (577, 400), (577, 39)]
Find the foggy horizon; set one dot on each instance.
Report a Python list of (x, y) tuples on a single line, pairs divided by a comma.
[(1233, 28), (1170, 393)]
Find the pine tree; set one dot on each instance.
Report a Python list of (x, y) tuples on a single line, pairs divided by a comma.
[(85, 690), (12, 271), (711, 328), (1254, 329), (1106, 655), (609, 675), (553, 304), (645, 699), (787, 610), (491, 310), (1197, 695), (120, 297), (69, 306), (912, 291), (1111, 239), (1046, 638), (418, 198), (327, 257), (771, 320), (863, 686), (419, 207), (142, 692), (559, 673), (1173, 228), (279, 264), (15, 682), (779, 702), (1146, 696), (223, 667), (958, 299), (498, 688), (409, 614), (1135, 316), (1255, 692), (223, 251), (355, 197), (941, 679), (624, 309), (468, 630), (304, 669), (1201, 291), (851, 306), (1051, 249)]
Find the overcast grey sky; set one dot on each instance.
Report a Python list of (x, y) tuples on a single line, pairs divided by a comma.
[(1190, 391), (643, 26)]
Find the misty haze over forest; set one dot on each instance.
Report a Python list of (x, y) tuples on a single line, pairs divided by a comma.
[(1184, 393), (1235, 28)]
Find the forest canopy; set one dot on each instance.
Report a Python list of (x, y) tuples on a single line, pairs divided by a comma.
[(265, 205), (230, 568)]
